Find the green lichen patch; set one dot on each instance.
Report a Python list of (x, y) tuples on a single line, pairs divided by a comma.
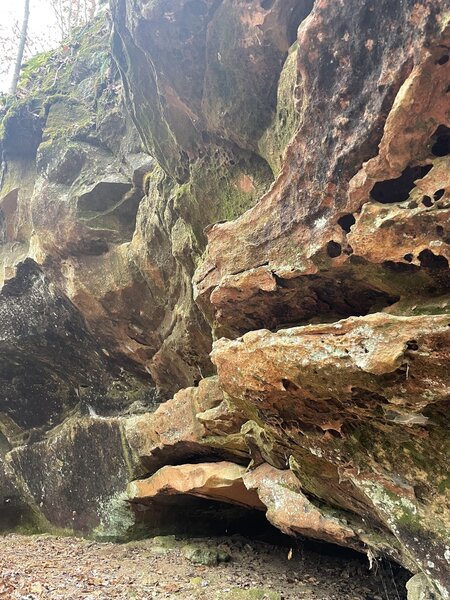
[(223, 186), (34, 67), (57, 93)]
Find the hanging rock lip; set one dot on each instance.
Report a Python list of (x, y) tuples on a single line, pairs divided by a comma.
[(337, 328)]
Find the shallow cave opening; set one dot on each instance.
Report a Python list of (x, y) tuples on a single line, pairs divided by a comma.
[(396, 190), (314, 299), (166, 515), (441, 141), (216, 523)]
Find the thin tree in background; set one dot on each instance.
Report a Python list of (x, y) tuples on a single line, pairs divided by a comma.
[(20, 41), (21, 47), (71, 13)]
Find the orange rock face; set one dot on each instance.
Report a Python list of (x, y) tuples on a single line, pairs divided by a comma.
[(181, 428), (290, 510), (360, 195), (220, 481), (393, 358), (354, 408)]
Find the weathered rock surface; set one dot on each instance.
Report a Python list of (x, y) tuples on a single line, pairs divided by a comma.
[(222, 481), (291, 511), (368, 403), (196, 423), (336, 236), (140, 220), (207, 70), (73, 479)]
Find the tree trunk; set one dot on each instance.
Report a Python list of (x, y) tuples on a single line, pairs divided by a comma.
[(21, 47)]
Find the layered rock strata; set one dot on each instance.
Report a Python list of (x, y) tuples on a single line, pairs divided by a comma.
[(356, 223), (272, 175)]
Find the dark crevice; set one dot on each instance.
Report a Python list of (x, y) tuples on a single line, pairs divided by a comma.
[(396, 190), (184, 452), (306, 299), (438, 194), (399, 267), (443, 60), (289, 386), (441, 141), (299, 14), (432, 261), (412, 345), (334, 249), (346, 222)]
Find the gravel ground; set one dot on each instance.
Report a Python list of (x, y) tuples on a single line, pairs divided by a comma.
[(57, 568)]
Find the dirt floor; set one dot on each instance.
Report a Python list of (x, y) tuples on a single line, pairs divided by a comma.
[(38, 567)]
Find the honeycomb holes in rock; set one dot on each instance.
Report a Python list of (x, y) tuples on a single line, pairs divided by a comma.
[(429, 260), (334, 249), (396, 190), (346, 222), (443, 59), (427, 201), (412, 345)]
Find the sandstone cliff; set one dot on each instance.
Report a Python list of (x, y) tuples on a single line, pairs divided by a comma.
[(243, 206)]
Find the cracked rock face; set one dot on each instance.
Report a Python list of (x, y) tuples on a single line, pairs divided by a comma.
[(273, 176)]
